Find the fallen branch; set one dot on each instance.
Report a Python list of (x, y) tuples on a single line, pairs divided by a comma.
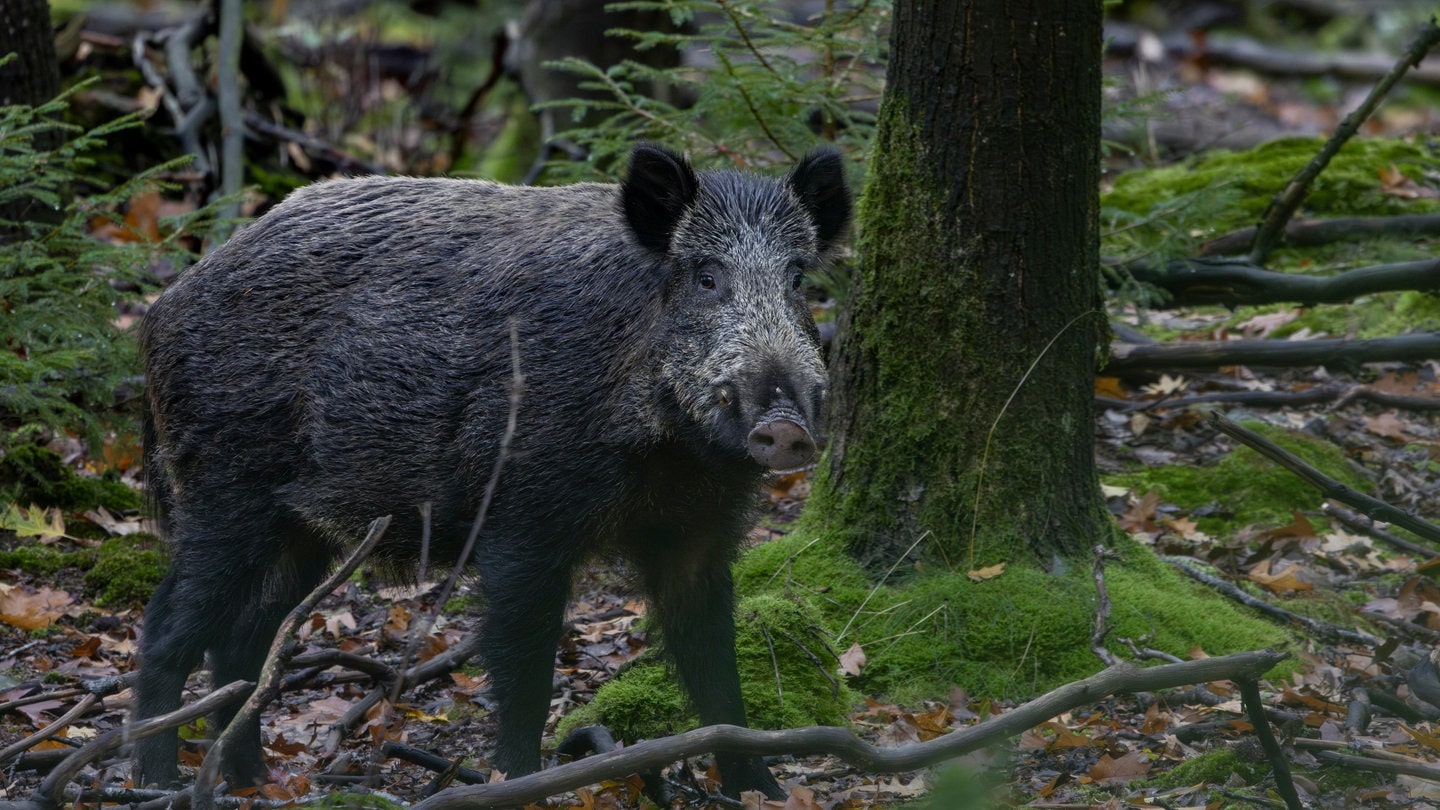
[(1341, 352), (1370, 507), (1266, 58), (1313, 626), (1255, 709), (1237, 282), (842, 743), (1272, 222), (1366, 526), (1318, 232), (50, 793)]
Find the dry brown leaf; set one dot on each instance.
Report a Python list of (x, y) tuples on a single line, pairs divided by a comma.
[(1119, 769), (1388, 425), (31, 609), (852, 661), (1285, 581), (988, 572)]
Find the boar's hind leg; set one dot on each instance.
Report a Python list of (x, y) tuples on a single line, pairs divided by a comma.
[(526, 589), (694, 600), (239, 656), (222, 595)]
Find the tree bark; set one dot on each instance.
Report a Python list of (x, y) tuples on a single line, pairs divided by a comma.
[(963, 375), (31, 78)]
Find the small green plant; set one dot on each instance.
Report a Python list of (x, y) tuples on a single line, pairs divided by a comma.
[(767, 90), (63, 352)]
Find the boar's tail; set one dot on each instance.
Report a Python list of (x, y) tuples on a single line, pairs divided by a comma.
[(159, 497)]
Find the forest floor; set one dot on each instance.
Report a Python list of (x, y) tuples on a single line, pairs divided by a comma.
[(1189, 749)]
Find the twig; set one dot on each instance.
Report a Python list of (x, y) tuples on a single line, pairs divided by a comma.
[(51, 790), (232, 125), (842, 743), (1314, 626), (20, 746), (1102, 608), (1329, 487), (1429, 772), (1288, 200), (431, 761), (1255, 708), (274, 668), (1365, 525)]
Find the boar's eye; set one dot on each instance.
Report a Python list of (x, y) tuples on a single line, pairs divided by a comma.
[(706, 277), (799, 277)]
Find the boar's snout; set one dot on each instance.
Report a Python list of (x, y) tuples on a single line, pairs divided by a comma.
[(780, 443)]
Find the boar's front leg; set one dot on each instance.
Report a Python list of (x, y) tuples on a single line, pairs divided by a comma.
[(526, 588), (693, 597)]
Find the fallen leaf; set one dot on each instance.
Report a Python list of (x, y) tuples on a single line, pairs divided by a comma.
[(31, 610), (1120, 769), (1286, 580), (988, 572), (852, 661), (1389, 425)]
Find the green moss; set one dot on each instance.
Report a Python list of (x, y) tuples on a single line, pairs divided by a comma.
[(773, 635), (127, 570), (1017, 634), (787, 667), (348, 800), (33, 474), (1212, 768), (1247, 487), (1349, 186), (641, 702), (43, 560)]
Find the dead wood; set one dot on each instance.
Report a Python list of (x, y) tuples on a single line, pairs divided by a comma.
[(1373, 508), (1331, 352), (1315, 627), (1287, 201), (1365, 525), (50, 794), (1239, 282), (1266, 58), (842, 743), (1318, 232), (1255, 708)]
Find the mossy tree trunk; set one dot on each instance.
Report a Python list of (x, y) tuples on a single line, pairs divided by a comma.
[(31, 78), (962, 387)]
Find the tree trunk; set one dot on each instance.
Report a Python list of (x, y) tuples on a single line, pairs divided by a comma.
[(34, 76), (961, 393), (31, 78)]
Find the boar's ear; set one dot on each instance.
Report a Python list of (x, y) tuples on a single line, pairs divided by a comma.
[(657, 190), (819, 181)]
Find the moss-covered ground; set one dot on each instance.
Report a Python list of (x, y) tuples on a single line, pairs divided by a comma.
[(1244, 487)]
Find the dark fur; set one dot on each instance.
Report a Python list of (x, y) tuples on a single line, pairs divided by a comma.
[(349, 356)]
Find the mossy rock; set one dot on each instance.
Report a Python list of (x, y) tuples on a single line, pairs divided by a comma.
[(1246, 487), (30, 474), (127, 570), (644, 700), (1016, 635)]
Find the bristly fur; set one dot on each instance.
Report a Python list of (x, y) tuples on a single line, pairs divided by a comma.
[(348, 356)]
